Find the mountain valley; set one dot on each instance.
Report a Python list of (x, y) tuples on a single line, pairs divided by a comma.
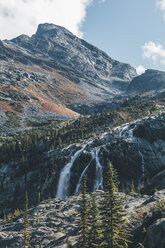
[(66, 110)]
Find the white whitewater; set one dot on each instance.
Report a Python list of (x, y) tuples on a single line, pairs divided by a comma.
[(126, 131), (142, 163), (63, 183), (99, 172), (123, 131)]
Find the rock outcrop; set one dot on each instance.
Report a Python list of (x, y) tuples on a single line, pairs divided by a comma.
[(54, 221), (151, 80)]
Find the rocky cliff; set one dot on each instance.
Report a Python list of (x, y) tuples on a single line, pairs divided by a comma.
[(53, 74), (151, 80), (84, 62), (136, 151)]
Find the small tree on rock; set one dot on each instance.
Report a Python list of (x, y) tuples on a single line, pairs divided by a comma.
[(115, 231)]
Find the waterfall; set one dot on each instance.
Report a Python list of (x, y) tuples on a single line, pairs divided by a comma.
[(126, 131), (99, 171), (142, 163), (123, 131), (63, 184)]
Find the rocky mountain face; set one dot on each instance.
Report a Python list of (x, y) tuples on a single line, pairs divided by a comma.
[(151, 80), (89, 64), (52, 74)]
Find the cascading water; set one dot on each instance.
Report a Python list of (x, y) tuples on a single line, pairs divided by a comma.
[(99, 171), (63, 185), (125, 132), (142, 163)]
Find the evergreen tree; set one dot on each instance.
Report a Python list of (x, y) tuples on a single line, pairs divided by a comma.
[(140, 245), (115, 232), (132, 187), (84, 210), (26, 224), (39, 197), (96, 231), (59, 141)]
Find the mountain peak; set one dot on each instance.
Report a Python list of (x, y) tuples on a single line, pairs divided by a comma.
[(49, 27), (53, 46), (21, 39)]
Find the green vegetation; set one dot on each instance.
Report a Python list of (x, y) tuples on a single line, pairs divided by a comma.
[(26, 242), (106, 227), (96, 233), (62, 133), (115, 229), (84, 212)]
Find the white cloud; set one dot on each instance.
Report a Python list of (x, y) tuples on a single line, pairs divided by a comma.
[(23, 16), (140, 69), (161, 5), (102, 1), (155, 52), (152, 50)]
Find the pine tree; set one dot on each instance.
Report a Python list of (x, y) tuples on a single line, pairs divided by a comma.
[(115, 232), (96, 231), (132, 187), (123, 188), (84, 240), (59, 141), (140, 245), (39, 197), (26, 224)]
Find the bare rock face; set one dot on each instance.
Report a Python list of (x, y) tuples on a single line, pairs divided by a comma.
[(57, 72), (149, 81), (157, 181), (80, 61), (155, 236)]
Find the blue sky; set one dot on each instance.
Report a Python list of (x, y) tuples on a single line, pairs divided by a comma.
[(130, 31), (122, 27)]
